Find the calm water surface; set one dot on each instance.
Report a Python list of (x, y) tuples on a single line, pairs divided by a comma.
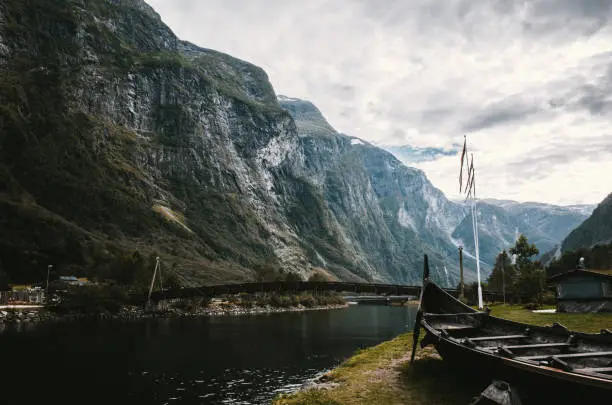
[(208, 360)]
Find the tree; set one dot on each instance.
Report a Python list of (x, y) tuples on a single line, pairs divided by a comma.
[(503, 272), (523, 251), (531, 277), (531, 282), (4, 279), (292, 277), (597, 257)]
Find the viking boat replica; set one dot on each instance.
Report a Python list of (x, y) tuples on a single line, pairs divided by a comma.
[(550, 364)]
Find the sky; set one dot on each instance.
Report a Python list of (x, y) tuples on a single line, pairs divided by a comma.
[(528, 82)]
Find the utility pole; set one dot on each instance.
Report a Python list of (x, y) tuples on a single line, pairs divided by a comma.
[(49, 267), (503, 265), (461, 289)]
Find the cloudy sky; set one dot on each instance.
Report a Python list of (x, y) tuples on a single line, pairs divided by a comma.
[(529, 81)]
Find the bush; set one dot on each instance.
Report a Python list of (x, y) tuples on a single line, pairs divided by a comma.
[(92, 300), (549, 298), (308, 301), (275, 300)]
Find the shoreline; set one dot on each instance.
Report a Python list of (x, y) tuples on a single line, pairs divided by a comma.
[(28, 315), (383, 374)]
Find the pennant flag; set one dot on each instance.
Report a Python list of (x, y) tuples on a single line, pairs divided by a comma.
[(462, 158), (470, 185), (469, 173)]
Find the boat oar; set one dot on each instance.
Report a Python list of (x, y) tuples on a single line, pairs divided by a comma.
[(419, 315)]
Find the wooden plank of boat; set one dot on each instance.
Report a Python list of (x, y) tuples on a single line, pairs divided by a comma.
[(475, 313), (537, 346), (596, 370), (502, 337), (566, 356), (456, 326)]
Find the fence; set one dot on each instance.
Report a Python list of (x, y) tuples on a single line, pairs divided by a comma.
[(21, 297)]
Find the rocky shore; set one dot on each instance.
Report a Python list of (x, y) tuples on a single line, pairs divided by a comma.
[(26, 316)]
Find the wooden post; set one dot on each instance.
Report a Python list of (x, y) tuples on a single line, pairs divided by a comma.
[(152, 282), (503, 259), (461, 286)]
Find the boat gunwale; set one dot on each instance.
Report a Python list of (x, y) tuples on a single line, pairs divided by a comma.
[(518, 363)]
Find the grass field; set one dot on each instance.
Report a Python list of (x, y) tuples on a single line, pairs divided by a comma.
[(381, 375)]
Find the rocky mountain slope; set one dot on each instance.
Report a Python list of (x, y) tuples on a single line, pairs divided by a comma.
[(389, 214), (118, 137), (554, 221), (597, 229), (119, 141), (404, 195)]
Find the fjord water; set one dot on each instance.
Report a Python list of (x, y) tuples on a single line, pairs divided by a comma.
[(207, 360)]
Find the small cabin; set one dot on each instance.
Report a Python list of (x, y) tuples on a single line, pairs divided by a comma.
[(583, 290)]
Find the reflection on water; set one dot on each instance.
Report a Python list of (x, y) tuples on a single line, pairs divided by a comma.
[(209, 360)]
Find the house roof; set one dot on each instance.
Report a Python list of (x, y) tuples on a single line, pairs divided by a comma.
[(607, 274)]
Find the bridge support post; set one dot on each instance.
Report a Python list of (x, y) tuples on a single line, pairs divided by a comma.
[(148, 304)]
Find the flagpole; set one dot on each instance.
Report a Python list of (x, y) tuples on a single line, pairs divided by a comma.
[(470, 189), (476, 245)]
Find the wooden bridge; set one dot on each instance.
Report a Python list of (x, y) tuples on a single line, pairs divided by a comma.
[(297, 287)]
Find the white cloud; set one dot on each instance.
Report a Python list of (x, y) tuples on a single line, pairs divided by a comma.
[(529, 81)]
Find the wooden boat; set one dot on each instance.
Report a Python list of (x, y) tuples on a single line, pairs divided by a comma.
[(545, 364)]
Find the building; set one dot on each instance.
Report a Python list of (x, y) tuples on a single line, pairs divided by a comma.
[(72, 280), (584, 290)]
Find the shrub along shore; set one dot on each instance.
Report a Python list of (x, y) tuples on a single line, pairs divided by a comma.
[(113, 303), (382, 375)]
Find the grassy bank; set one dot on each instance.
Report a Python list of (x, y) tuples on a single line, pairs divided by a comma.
[(590, 323), (381, 375)]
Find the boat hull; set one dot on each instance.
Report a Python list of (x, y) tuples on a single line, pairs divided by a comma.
[(544, 364), (534, 384)]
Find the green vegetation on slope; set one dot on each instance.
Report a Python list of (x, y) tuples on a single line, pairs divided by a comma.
[(599, 257), (596, 229)]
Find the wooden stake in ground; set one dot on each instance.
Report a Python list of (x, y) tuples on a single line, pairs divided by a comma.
[(419, 315)]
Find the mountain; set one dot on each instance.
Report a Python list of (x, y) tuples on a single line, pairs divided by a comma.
[(497, 228), (553, 222), (389, 214), (117, 139), (596, 229), (120, 142)]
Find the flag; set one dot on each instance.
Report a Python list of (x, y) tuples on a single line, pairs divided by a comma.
[(469, 173), (470, 184), (462, 158)]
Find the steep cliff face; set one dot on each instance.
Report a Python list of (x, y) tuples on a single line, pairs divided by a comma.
[(597, 229), (388, 214), (116, 136)]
